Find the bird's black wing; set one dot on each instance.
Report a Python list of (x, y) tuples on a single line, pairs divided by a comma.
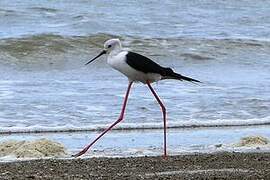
[(146, 65), (143, 64)]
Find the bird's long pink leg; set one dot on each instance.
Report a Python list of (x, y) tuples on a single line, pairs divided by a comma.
[(164, 117), (109, 128)]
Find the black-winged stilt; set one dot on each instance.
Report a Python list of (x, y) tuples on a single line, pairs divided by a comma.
[(137, 68)]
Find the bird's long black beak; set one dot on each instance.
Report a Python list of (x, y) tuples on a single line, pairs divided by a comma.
[(100, 54)]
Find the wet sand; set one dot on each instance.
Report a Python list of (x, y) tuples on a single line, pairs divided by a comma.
[(196, 166)]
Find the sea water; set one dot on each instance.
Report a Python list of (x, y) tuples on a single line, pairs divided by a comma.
[(45, 87)]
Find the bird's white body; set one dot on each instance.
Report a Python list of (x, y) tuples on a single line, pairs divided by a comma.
[(117, 60)]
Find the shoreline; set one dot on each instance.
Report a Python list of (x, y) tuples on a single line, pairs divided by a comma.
[(223, 165), (145, 128), (130, 144)]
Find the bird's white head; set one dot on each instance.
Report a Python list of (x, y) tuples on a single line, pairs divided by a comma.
[(110, 46)]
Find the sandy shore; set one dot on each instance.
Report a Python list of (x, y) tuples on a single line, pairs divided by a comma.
[(211, 166)]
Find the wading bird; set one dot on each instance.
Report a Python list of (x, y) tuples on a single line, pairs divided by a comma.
[(137, 68)]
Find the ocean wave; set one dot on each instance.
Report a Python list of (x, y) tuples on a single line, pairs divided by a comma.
[(49, 50), (57, 43), (43, 9), (143, 126)]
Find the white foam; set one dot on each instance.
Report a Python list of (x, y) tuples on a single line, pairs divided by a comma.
[(131, 126), (31, 149), (251, 141)]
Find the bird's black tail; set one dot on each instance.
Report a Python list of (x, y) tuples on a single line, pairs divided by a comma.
[(169, 74)]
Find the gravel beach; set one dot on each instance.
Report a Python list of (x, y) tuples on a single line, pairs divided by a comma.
[(224, 165)]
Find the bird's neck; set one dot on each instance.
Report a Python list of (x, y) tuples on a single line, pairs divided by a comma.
[(115, 52)]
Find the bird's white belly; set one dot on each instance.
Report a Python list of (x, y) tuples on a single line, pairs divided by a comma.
[(118, 62)]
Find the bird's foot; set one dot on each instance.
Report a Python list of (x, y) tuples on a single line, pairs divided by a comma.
[(165, 156), (79, 153)]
